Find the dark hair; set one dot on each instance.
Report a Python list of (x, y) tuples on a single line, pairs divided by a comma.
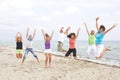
[(69, 36), (46, 35), (103, 27)]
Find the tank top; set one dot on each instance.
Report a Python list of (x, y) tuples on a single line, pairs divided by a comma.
[(47, 45), (19, 45), (91, 39), (99, 37), (29, 43), (72, 44)]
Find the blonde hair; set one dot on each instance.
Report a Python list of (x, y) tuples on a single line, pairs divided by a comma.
[(19, 38)]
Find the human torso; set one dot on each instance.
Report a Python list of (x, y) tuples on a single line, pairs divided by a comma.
[(91, 39), (47, 44), (19, 45), (99, 37), (29, 43), (72, 43)]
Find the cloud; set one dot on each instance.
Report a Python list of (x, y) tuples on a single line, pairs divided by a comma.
[(15, 14)]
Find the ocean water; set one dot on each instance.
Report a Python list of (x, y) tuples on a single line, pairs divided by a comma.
[(114, 54)]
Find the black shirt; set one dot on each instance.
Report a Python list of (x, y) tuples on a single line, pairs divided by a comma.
[(19, 45)]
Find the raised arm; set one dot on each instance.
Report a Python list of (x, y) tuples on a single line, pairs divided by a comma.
[(66, 32), (109, 29), (77, 33), (86, 28), (51, 34), (97, 23), (27, 32), (16, 34), (43, 33), (20, 34), (34, 33)]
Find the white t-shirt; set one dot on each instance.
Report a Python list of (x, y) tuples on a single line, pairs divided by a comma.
[(61, 37), (29, 44)]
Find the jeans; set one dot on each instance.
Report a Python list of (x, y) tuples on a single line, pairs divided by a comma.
[(29, 50)]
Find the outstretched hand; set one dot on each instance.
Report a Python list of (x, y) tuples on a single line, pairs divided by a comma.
[(97, 18), (27, 28), (52, 31), (35, 29), (85, 23), (114, 25), (79, 29), (42, 30)]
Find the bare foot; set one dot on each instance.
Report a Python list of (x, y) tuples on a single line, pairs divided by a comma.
[(76, 58), (38, 60)]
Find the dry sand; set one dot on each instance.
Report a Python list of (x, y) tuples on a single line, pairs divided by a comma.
[(61, 69)]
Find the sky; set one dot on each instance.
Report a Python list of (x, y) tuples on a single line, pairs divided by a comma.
[(17, 15)]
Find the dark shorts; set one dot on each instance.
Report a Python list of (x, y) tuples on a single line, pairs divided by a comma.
[(71, 51)]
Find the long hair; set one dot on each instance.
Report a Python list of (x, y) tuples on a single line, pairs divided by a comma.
[(103, 27), (69, 36), (19, 37), (46, 35)]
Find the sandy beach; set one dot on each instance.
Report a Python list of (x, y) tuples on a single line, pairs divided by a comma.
[(61, 69)]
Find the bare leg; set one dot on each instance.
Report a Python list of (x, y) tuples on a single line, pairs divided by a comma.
[(50, 59), (20, 56), (17, 55), (38, 60), (23, 61), (103, 53), (46, 60)]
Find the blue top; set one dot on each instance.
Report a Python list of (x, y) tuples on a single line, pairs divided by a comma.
[(99, 37), (47, 45)]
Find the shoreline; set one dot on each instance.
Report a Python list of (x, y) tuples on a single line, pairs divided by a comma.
[(61, 68)]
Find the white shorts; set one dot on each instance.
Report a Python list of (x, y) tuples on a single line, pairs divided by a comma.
[(91, 50), (48, 51), (99, 49)]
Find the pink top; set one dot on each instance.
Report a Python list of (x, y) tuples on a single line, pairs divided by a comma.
[(72, 43)]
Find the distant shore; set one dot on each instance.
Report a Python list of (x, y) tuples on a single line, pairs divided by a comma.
[(61, 69)]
